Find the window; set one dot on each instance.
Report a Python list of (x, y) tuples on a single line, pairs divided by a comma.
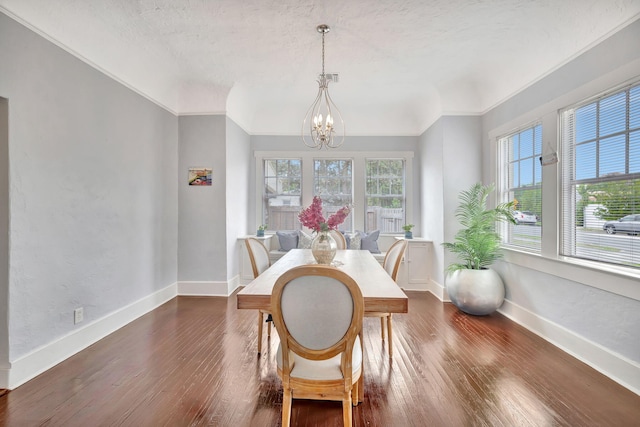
[(287, 181), (521, 182), (385, 195), (282, 194), (601, 179), (332, 181)]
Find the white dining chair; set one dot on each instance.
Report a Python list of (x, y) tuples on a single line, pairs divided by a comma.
[(320, 363), (341, 242), (391, 264), (259, 257)]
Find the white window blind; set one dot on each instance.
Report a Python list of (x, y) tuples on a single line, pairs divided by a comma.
[(601, 179), (385, 195), (521, 182), (281, 197)]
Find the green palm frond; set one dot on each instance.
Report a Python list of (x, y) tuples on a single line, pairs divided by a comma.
[(477, 244)]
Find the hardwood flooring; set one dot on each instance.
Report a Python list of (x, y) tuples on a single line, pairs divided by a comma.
[(193, 362)]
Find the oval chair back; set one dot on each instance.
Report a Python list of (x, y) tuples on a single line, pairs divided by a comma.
[(259, 257), (339, 238), (393, 258), (318, 311)]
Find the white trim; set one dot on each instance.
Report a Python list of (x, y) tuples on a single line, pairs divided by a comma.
[(49, 355), (438, 290), (615, 279), (205, 113), (620, 369), (202, 288)]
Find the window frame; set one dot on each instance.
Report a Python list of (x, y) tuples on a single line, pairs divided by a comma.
[(358, 179), (569, 149), (404, 191), (619, 280), (264, 198), (504, 189)]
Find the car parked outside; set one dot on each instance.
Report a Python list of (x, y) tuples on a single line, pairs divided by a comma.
[(629, 224), (524, 217)]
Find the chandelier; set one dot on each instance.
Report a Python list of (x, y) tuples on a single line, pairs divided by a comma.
[(323, 126)]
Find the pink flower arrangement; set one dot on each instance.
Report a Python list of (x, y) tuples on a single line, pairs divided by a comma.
[(312, 218)]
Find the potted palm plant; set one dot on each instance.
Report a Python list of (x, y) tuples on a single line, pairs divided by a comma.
[(472, 285)]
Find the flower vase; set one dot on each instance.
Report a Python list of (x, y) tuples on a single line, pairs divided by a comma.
[(323, 247)]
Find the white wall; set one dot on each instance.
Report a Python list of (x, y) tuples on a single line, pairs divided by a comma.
[(237, 205), (202, 230), (93, 171), (431, 163), (4, 234), (591, 313), (450, 154)]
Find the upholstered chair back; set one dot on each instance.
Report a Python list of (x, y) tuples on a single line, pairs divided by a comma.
[(393, 258), (258, 255), (339, 238)]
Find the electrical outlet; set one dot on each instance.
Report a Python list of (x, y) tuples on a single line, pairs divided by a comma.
[(78, 315)]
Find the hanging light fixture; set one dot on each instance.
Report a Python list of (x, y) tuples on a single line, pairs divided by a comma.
[(323, 126)]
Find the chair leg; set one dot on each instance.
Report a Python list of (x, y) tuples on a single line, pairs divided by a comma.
[(354, 394), (269, 329), (382, 327), (286, 408), (390, 334), (259, 331), (346, 411)]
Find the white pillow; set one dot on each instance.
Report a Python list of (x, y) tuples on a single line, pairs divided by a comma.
[(304, 240), (353, 240)]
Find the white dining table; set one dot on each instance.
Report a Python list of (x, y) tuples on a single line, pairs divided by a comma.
[(380, 292)]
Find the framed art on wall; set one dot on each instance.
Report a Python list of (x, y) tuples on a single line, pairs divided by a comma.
[(200, 176)]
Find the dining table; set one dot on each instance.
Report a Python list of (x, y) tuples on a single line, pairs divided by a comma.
[(379, 291)]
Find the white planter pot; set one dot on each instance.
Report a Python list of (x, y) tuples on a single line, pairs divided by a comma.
[(477, 292)]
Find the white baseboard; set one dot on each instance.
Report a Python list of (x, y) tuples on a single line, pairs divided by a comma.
[(620, 369), (438, 290), (205, 289), (45, 357), (233, 284)]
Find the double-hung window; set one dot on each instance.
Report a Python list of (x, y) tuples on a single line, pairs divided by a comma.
[(521, 183), (377, 184), (281, 197), (385, 195), (332, 181), (601, 178)]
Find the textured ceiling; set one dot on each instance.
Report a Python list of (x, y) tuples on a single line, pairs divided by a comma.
[(401, 63)]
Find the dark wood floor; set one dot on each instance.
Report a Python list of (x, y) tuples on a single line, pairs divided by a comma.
[(193, 362)]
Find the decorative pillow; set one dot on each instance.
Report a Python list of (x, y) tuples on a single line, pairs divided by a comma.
[(370, 241), (288, 240), (304, 240), (353, 240)]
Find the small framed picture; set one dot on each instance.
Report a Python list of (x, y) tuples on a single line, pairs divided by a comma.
[(200, 176)]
